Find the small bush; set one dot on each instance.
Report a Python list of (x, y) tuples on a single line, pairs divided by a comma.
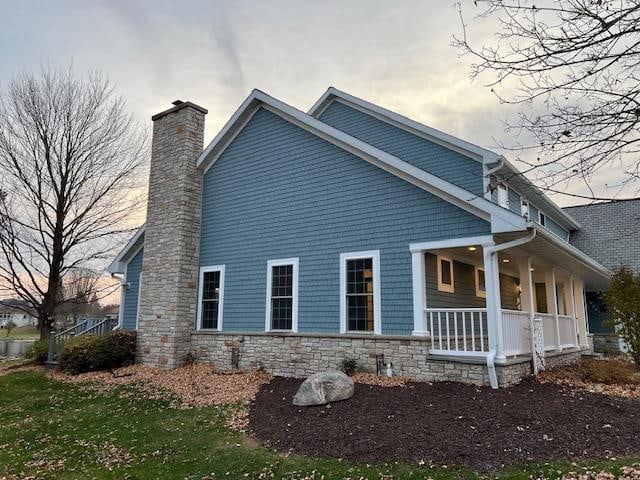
[(90, 353), (38, 352), (610, 372), (349, 366)]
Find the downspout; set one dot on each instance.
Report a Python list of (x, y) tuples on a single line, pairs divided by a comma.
[(489, 251)]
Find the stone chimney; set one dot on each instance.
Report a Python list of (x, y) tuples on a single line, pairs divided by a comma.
[(167, 305)]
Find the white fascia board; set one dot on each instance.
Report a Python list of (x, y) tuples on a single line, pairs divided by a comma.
[(118, 265), (502, 220), (400, 120), (571, 250)]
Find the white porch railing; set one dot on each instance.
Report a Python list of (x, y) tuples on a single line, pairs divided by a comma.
[(568, 333), (516, 332), (455, 330), (548, 330)]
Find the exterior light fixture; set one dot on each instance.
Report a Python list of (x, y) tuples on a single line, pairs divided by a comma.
[(472, 249), (505, 260)]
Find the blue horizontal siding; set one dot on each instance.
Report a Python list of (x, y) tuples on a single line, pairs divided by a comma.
[(279, 191), (553, 227), (429, 156), (130, 308)]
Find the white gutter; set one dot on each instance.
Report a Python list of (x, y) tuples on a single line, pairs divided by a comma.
[(496, 168), (493, 309)]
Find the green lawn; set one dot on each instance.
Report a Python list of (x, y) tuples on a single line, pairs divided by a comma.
[(54, 430), (21, 333)]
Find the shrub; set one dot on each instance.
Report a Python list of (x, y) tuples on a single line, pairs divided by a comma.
[(38, 352), (89, 353), (349, 366), (610, 372), (623, 300)]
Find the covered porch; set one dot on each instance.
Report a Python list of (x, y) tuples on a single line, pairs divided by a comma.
[(502, 297)]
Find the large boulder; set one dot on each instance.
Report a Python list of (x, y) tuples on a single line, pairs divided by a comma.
[(324, 387)]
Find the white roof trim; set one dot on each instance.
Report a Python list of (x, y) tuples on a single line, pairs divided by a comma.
[(571, 250), (502, 220), (118, 264), (541, 197), (487, 156)]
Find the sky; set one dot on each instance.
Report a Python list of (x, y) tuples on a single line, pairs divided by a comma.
[(397, 54)]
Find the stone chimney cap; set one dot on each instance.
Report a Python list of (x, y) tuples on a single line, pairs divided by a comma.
[(178, 105)]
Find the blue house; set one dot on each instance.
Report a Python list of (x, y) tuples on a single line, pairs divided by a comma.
[(296, 240)]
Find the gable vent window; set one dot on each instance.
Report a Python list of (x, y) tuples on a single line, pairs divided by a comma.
[(360, 288), (211, 291), (282, 295)]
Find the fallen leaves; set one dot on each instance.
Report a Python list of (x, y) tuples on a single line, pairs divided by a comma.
[(626, 473), (573, 376), (192, 386), (380, 380)]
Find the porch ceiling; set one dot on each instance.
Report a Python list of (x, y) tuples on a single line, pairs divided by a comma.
[(546, 250)]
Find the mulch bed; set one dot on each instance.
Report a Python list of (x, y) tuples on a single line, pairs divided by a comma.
[(450, 423)]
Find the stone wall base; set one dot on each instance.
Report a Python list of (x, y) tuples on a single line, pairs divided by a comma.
[(301, 355), (606, 343)]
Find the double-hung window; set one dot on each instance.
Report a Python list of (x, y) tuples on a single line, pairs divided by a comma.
[(360, 292), (282, 295), (210, 298)]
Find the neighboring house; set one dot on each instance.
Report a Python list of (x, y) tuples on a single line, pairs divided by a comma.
[(296, 240), (609, 233), (17, 311)]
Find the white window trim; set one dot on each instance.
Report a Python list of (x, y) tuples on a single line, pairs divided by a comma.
[(203, 270), (375, 256), (294, 304), (480, 293), (138, 306), (443, 287)]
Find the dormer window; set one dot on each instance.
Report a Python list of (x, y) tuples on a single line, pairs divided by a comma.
[(503, 196), (524, 209)]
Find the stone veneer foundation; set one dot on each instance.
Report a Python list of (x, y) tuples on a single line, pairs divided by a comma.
[(299, 355)]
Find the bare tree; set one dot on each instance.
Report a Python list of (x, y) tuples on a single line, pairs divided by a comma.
[(573, 68), (70, 158)]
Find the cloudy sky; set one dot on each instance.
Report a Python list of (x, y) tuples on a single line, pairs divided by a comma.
[(394, 53)]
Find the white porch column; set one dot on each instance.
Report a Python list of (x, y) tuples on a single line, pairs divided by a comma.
[(494, 311), (527, 297), (420, 327), (572, 307), (581, 312), (552, 300)]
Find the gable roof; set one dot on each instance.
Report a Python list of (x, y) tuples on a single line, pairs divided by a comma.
[(483, 155), (501, 219)]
